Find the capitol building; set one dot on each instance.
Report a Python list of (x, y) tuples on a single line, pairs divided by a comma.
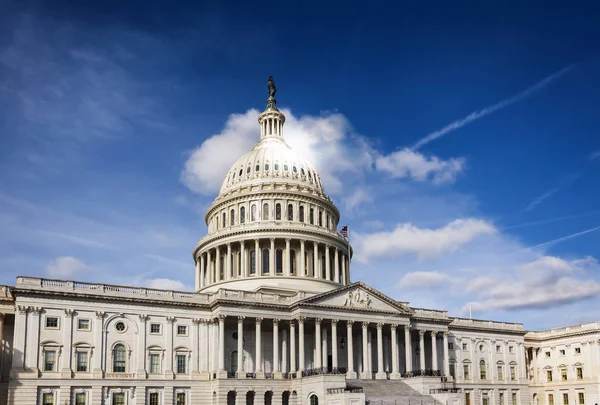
[(275, 318)]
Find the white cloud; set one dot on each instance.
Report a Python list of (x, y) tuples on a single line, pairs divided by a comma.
[(357, 197), (328, 142), (541, 198), (424, 242), (410, 164), (423, 279), (66, 267), (166, 284)]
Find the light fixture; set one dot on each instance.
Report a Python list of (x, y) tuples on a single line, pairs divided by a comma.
[(342, 343)]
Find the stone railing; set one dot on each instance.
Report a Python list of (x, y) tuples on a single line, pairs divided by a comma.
[(567, 330), (429, 313), (475, 323)]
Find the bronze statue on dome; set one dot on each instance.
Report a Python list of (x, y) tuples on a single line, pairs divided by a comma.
[(272, 88)]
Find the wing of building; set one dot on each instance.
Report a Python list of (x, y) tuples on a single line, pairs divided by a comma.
[(275, 319)]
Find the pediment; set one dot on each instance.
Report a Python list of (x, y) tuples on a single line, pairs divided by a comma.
[(358, 296)]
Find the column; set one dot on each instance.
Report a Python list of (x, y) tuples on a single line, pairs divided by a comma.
[(272, 264), (292, 346), (229, 274), (276, 368), (204, 348), (195, 345), (202, 271), (18, 360), (169, 347), (258, 257), (421, 350), (394, 337), (350, 373), (324, 349), (288, 264), (258, 357), (316, 270), (327, 264), (33, 334), (318, 363), (97, 357), (365, 354), (141, 355), (446, 360), (407, 349), (336, 266), (344, 275), (434, 359), (334, 347), (217, 265), (284, 351), (240, 348), (211, 275), (302, 271), (243, 260), (68, 344), (1, 345), (301, 343), (198, 274), (521, 362), (535, 370)]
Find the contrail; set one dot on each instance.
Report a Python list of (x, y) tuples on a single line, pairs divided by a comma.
[(573, 235), (493, 108), (551, 220)]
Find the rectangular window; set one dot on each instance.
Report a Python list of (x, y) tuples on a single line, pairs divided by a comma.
[(498, 348), (80, 398), (581, 398), (549, 375), (181, 330), (468, 398), (501, 398), (180, 364), (49, 360), (550, 399), (579, 373), (511, 349), (485, 399), (154, 363), (578, 350), (562, 352), (513, 373), (181, 398), (83, 324), (464, 346), (118, 398), (452, 370), (514, 398), (450, 345), (565, 399), (82, 361), (155, 328), (51, 322), (500, 373), (466, 371), (48, 398), (547, 355), (563, 374), (153, 398)]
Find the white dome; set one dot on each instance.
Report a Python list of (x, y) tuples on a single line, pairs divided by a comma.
[(272, 160)]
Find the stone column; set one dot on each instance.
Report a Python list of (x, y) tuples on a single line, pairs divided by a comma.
[(287, 261), (141, 349), (365, 356), (316, 270), (301, 343), (434, 356), (446, 360), (284, 351), (302, 271), (1, 345), (521, 363), (292, 346), (195, 346), (327, 264), (344, 275), (204, 348), (336, 266), (211, 276), (276, 368), (258, 258), (395, 366), (421, 350), (380, 372), (324, 349), (202, 271), (350, 374), (407, 349), (258, 357), (318, 343), (198, 274), (334, 347), (18, 360), (217, 265), (240, 348), (229, 274), (272, 264), (66, 371), (243, 260), (97, 356), (169, 347), (33, 334)]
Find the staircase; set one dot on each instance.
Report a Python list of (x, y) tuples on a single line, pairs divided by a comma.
[(391, 392)]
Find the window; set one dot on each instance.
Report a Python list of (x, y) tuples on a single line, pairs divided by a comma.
[(563, 374), (466, 371), (257, 168), (49, 360), (51, 322), (450, 345), (232, 217), (562, 352), (498, 349), (253, 262), (290, 212), (482, 370), (224, 222), (314, 400), (467, 398), (276, 167), (266, 167), (485, 399), (48, 398), (579, 371), (83, 324), (311, 217), (578, 350), (265, 212), (265, 261), (181, 364), (279, 261), (501, 398), (118, 398), (581, 398), (511, 349), (549, 375), (155, 328), (82, 361), (248, 169), (550, 399), (154, 363), (565, 399), (295, 169), (80, 398), (181, 398), (464, 346), (243, 214), (278, 212), (301, 214), (120, 326), (320, 218), (547, 355), (513, 373), (292, 261), (286, 167), (119, 358), (453, 369), (241, 171), (514, 398), (181, 330), (153, 398), (500, 373)]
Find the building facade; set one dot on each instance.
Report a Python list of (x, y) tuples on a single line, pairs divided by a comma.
[(275, 318)]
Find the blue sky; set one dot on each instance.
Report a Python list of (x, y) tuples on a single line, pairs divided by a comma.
[(460, 142)]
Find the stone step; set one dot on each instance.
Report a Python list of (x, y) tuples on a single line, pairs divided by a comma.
[(391, 392)]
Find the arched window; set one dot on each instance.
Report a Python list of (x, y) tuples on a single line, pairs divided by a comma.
[(268, 397), (323, 266), (253, 261), (234, 358), (232, 217), (278, 211), (224, 222), (222, 267), (320, 218), (301, 214), (311, 216), (253, 213), (119, 355), (243, 215), (290, 212), (265, 260), (279, 261), (265, 212), (293, 261), (482, 370), (328, 224), (314, 400)]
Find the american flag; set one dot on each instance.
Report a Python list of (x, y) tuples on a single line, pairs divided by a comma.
[(344, 231)]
